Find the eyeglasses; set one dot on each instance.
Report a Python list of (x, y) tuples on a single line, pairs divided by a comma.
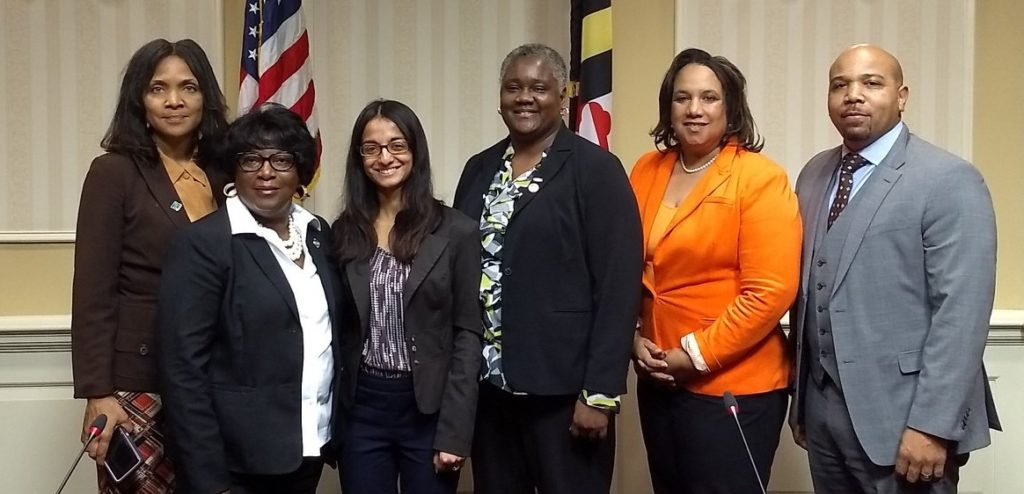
[(372, 149), (253, 162)]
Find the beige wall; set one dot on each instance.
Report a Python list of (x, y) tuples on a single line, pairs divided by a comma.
[(36, 279), (999, 132)]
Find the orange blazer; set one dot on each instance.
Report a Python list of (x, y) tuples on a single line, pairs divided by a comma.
[(726, 270)]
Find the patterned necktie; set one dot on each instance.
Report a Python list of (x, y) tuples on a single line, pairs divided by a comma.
[(851, 163)]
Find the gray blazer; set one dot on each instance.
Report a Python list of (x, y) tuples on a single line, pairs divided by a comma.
[(911, 303)]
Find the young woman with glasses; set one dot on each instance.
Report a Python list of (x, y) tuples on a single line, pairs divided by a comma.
[(412, 337)]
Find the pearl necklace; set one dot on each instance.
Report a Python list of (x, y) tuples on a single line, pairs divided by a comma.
[(293, 245), (699, 168)]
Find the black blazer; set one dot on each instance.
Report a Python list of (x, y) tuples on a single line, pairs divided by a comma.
[(125, 223), (231, 353), (573, 259), (442, 328)]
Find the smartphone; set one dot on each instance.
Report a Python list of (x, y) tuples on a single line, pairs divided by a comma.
[(122, 455)]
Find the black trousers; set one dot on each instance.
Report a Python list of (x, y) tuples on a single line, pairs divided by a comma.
[(522, 445), (387, 442), (693, 445), (302, 481)]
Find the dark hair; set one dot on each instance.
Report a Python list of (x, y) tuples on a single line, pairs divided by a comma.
[(128, 133), (270, 126), (739, 121), (420, 213)]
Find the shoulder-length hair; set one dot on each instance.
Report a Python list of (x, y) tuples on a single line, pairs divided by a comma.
[(421, 211), (128, 133), (270, 126), (739, 122)]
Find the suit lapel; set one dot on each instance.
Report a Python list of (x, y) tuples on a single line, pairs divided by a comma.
[(719, 173), (159, 184), (358, 274), (558, 154), (868, 200), (810, 208), (323, 267), (424, 261), (654, 192), (489, 164), (260, 251)]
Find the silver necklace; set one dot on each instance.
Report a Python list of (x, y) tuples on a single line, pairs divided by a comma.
[(699, 168)]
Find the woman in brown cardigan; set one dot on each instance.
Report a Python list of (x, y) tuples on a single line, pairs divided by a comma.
[(152, 181)]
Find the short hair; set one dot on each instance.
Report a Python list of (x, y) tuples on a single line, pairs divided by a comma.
[(270, 126), (128, 133), (546, 53), (739, 121), (421, 211)]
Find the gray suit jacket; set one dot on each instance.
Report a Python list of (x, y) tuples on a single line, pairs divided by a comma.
[(911, 303)]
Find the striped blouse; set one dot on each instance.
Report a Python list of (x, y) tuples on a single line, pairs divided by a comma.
[(385, 353)]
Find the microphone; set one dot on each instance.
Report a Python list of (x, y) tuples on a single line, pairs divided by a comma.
[(734, 410), (95, 428)]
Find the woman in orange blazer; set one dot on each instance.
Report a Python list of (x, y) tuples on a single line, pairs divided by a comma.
[(722, 253)]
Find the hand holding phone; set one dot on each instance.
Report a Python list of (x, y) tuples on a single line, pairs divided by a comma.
[(122, 455)]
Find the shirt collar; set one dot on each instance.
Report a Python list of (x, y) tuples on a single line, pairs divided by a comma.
[(242, 221), (878, 150), (177, 171)]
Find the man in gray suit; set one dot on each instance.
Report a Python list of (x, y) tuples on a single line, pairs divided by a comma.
[(897, 282)]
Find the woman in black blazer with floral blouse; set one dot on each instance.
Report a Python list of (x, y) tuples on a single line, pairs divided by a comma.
[(561, 248)]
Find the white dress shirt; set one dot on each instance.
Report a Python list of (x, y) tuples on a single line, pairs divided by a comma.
[(311, 301)]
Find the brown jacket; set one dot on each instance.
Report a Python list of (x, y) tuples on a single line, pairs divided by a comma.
[(127, 216)]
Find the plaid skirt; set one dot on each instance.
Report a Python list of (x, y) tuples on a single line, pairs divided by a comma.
[(156, 473)]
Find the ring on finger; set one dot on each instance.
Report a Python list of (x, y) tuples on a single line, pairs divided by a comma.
[(926, 477)]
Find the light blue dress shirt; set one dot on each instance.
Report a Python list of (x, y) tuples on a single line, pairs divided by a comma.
[(874, 153)]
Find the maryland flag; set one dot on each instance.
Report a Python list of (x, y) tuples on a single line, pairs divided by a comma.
[(590, 72)]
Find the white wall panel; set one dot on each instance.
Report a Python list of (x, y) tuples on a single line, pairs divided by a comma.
[(785, 48), (61, 64), (440, 57)]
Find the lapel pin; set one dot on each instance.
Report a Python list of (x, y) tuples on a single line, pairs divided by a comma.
[(176, 206), (316, 242), (533, 188)]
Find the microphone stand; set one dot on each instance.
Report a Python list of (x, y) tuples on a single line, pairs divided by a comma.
[(734, 408), (94, 430)]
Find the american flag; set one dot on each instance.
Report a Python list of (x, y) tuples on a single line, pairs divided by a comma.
[(275, 62)]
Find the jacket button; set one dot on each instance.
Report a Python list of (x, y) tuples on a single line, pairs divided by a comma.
[(821, 309), (416, 362), (413, 348), (143, 349), (822, 332), (820, 286), (821, 262), (507, 271)]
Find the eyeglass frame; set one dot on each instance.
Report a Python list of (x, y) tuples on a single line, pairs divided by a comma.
[(265, 159), (382, 147)]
